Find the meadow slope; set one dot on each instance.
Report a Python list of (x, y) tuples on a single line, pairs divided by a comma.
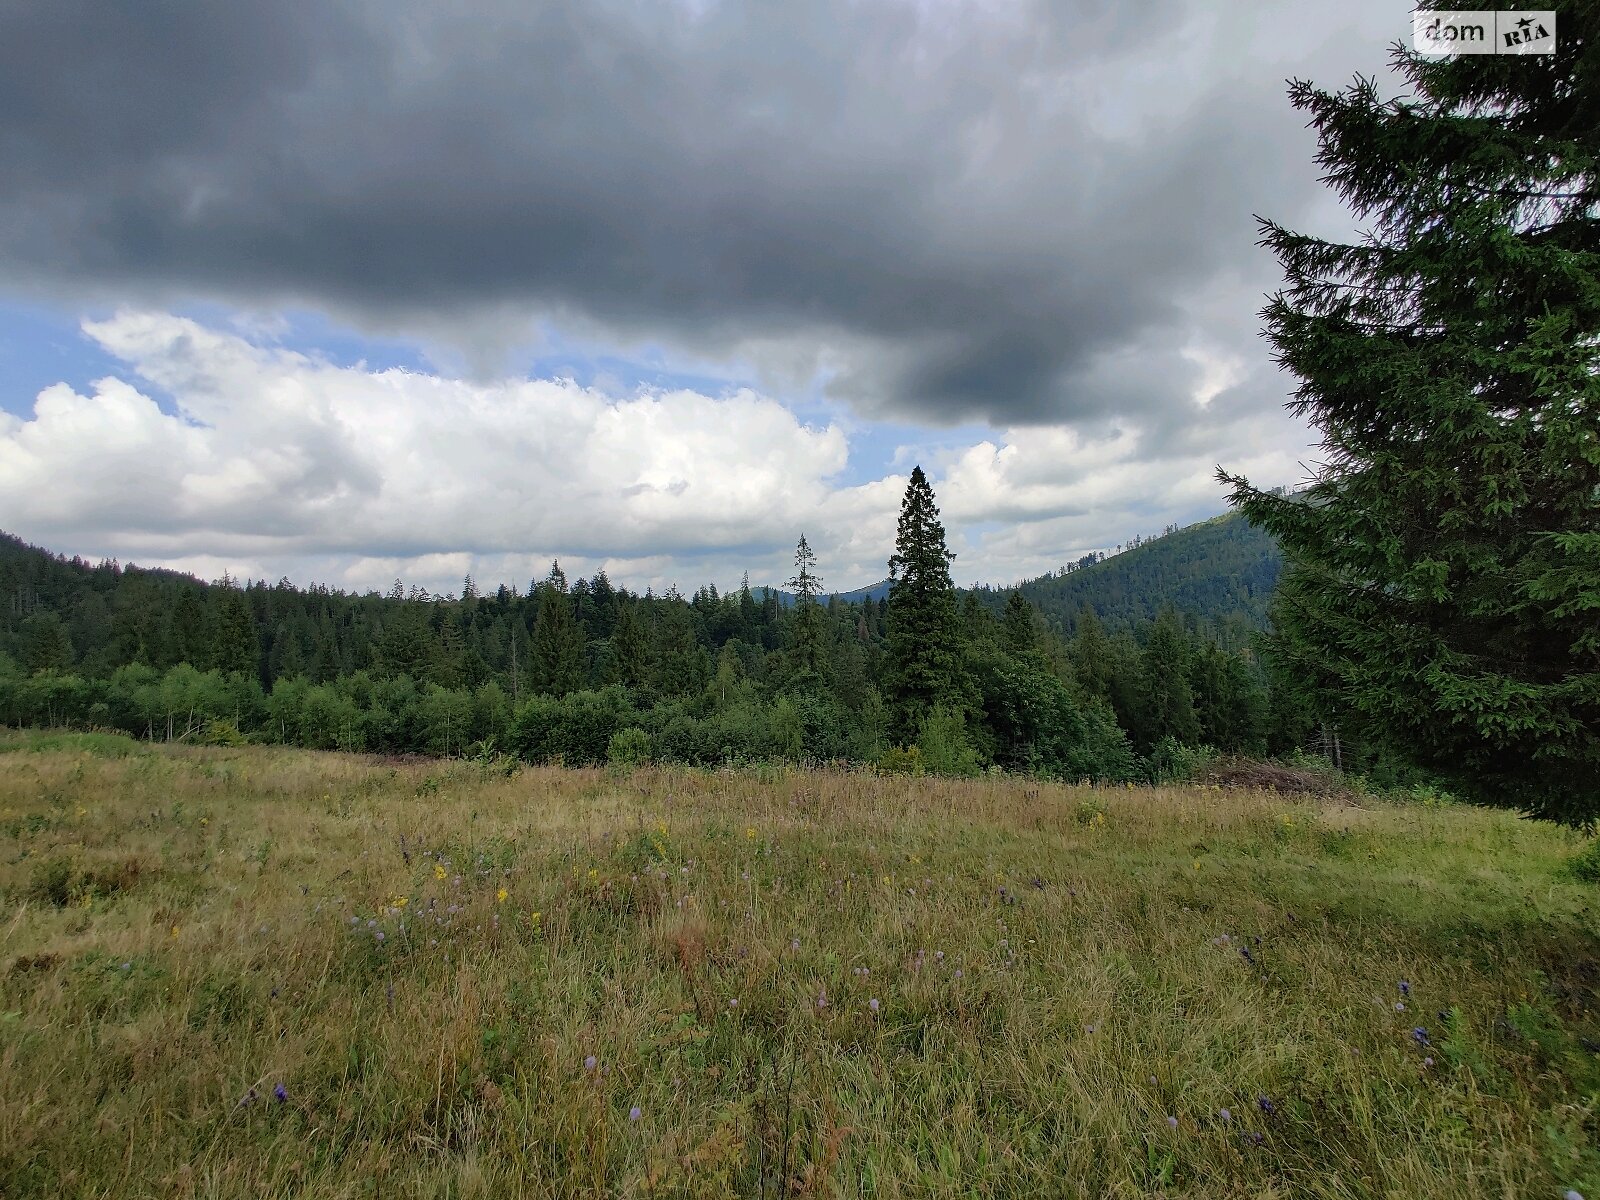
[(264, 972)]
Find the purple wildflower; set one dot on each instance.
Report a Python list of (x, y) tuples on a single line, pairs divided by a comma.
[(589, 1063), (635, 1113), (1419, 1035), (1172, 1122), (873, 1004), (1405, 988), (1224, 1115), (280, 1094), (1266, 1106)]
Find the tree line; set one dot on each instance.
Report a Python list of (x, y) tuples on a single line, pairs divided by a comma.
[(581, 670)]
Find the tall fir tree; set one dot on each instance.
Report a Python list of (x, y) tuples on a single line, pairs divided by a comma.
[(557, 639), (924, 644), (1017, 624), (809, 651), (627, 655), (1165, 704), (1445, 562), (233, 645)]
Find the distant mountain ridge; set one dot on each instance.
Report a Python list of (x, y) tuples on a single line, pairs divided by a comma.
[(1219, 573)]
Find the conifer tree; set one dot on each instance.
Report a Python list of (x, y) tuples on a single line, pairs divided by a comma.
[(810, 650), (557, 640), (923, 668), (627, 661), (1165, 699), (1018, 624), (1445, 562), (234, 647)]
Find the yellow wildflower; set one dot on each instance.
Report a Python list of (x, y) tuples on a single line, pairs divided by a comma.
[(174, 931), (750, 833), (438, 871), (501, 895)]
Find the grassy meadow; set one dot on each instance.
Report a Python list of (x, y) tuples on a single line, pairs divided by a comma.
[(265, 972)]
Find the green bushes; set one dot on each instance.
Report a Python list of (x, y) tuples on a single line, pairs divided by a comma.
[(628, 747), (575, 729)]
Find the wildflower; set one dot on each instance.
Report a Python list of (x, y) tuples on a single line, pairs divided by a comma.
[(794, 943), (247, 1099), (1225, 1115), (438, 871), (1399, 1006), (750, 834), (378, 935), (958, 972), (589, 1063), (873, 1004), (1419, 1035), (280, 1094), (1428, 1062), (1172, 1122), (1405, 988), (634, 1113), (1572, 1195), (501, 896), (1152, 1081), (734, 1003), (1266, 1106), (1255, 1139)]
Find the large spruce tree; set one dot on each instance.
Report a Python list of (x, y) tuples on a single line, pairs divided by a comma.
[(1444, 593), (557, 638), (924, 644), (810, 630)]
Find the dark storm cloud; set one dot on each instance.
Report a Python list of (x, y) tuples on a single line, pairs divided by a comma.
[(963, 201)]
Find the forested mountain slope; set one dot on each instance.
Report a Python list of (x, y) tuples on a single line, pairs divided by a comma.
[(1219, 574)]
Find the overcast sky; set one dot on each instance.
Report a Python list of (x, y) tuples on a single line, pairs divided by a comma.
[(355, 290)]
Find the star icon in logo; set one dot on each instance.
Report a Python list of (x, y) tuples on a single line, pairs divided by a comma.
[(1524, 23)]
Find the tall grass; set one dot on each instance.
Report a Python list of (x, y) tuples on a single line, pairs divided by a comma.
[(1121, 992)]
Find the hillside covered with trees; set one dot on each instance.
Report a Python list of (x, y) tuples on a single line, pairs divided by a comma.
[(582, 669)]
